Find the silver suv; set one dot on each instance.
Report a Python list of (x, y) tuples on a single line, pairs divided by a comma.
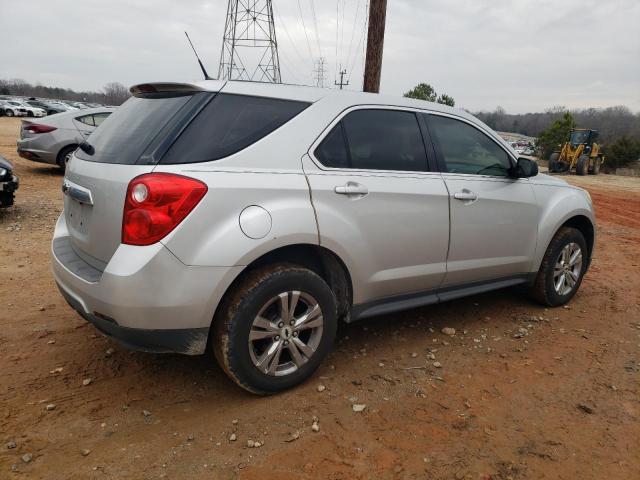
[(251, 218)]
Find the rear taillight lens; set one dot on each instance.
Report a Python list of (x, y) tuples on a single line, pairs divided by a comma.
[(156, 203), (39, 128)]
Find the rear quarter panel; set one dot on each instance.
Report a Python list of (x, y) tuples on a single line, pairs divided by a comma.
[(211, 235)]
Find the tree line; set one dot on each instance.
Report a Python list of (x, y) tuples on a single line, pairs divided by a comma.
[(113, 93), (612, 122), (618, 128)]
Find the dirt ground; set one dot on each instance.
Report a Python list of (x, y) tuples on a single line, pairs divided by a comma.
[(520, 392)]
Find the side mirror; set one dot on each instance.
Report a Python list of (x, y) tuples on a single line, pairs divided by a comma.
[(525, 168)]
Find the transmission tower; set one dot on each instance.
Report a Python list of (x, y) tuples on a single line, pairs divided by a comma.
[(249, 46), (319, 71)]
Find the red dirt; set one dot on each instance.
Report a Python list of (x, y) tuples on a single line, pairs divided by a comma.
[(563, 402)]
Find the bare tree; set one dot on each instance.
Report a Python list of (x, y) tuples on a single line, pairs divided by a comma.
[(115, 93)]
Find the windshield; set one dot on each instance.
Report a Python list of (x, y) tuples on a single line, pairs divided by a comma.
[(579, 137)]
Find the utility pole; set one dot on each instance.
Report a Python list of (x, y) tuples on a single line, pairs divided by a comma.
[(249, 45), (319, 72), (375, 44), (342, 83)]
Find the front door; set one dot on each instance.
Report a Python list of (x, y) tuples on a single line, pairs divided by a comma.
[(494, 218)]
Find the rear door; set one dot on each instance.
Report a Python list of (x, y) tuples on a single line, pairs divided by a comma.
[(125, 146), (378, 204), (494, 218)]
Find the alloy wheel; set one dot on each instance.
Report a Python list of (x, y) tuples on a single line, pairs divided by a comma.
[(286, 333), (567, 269)]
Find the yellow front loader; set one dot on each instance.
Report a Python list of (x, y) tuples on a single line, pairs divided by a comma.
[(581, 153)]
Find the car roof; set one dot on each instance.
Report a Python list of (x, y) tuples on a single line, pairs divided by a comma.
[(340, 100), (300, 93)]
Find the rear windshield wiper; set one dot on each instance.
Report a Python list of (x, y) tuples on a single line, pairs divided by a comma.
[(87, 148)]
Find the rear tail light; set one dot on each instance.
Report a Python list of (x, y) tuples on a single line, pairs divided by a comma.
[(156, 203), (39, 128)]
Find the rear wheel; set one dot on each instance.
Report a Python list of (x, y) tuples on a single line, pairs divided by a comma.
[(8, 113), (582, 165), (274, 328), (65, 155), (553, 162), (562, 268)]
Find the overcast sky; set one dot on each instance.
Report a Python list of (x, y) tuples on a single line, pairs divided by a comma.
[(525, 55)]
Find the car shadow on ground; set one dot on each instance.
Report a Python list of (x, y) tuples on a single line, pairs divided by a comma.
[(201, 377), (44, 170)]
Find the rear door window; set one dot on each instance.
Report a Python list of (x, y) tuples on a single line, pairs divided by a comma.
[(332, 152), (371, 139), (228, 124)]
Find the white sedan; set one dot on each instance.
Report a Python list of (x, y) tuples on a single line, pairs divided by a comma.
[(27, 109)]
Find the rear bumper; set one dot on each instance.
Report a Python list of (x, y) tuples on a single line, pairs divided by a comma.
[(43, 149), (145, 297), (189, 341)]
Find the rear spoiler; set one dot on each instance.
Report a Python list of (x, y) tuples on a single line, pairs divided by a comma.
[(145, 89)]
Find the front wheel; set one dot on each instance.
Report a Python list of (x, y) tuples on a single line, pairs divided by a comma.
[(274, 328), (563, 266), (597, 162), (553, 162), (9, 113), (582, 165)]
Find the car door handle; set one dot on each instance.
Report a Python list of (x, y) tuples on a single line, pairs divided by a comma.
[(352, 188), (465, 195)]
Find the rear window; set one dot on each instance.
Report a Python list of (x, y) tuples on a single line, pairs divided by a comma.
[(228, 124), (123, 137)]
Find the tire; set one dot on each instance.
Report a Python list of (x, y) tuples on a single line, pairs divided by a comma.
[(545, 288), (597, 162), (8, 113), (257, 296), (553, 162), (582, 165), (64, 156)]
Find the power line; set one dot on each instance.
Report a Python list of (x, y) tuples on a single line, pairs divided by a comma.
[(315, 26), (337, 30), (305, 30), (353, 30), (286, 31), (361, 41), (344, 4)]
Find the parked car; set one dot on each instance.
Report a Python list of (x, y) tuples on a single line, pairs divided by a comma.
[(53, 140), (252, 218), (50, 108), (79, 105), (11, 110), (30, 110), (8, 183)]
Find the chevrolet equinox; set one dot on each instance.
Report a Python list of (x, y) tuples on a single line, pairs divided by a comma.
[(247, 219)]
